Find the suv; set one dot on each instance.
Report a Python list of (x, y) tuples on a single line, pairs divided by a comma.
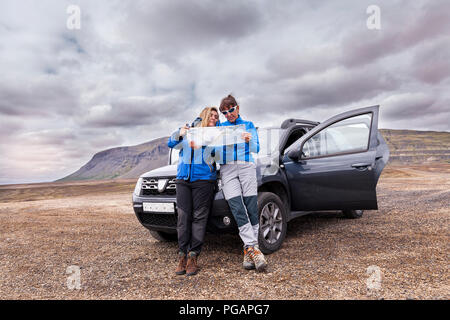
[(303, 166)]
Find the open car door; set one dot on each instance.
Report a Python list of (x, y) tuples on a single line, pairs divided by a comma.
[(336, 165)]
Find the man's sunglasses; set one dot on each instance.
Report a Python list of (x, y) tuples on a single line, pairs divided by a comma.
[(231, 110)]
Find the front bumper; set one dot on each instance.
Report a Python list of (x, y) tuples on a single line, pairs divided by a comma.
[(167, 222)]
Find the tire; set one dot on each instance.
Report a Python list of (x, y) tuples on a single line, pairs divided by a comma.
[(272, 222), (163, 236), (353, 214)]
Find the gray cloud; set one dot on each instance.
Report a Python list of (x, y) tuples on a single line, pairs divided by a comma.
[(340, 86), (163, 26), (40, 97), (407, 105), (9, 126), (406, 29), (133, 111), (53, 137), (431, 64), (292, 63)]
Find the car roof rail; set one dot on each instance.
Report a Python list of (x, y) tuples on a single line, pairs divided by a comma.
[(292, 122)]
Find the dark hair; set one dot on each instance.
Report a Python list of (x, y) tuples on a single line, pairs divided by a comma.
[(228, 102)]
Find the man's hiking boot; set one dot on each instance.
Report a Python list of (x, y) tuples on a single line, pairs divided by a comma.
[(257, 257), (248, 263)]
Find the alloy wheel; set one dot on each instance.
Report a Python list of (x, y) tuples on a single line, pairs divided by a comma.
[(271, 222)]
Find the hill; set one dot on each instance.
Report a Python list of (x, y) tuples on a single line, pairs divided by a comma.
[(123, 162), (411, 146)]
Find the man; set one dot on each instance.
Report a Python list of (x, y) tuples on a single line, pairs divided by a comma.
[(238, 175)]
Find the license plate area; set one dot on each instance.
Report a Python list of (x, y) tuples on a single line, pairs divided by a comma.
[(158, 207)]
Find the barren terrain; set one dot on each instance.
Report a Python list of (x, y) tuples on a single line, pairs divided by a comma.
[(45, 228)]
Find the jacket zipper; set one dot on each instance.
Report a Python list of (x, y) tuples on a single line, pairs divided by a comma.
[(190, 166), (235, 146)]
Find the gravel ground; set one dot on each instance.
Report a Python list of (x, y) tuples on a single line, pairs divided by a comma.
[(324, 256)]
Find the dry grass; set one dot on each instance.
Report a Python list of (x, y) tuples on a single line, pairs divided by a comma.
[(57, 190), (47, 227)]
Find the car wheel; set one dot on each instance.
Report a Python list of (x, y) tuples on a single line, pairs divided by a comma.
[(163, 236), (353, 214), (272, 222)]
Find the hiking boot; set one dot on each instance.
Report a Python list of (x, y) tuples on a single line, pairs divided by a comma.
[(248, 263), (258, 258), (191, 266), (181, 269)]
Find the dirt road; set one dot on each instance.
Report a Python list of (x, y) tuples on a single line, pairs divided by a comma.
[(397, 252)]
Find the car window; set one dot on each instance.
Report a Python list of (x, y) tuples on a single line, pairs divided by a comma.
[(348, 135)]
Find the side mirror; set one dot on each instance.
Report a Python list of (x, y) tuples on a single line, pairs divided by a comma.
[(294, 155)]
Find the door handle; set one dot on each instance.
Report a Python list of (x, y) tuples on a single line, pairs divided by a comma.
[(362, 166)]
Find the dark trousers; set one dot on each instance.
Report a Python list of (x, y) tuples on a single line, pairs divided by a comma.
[(194, 200)]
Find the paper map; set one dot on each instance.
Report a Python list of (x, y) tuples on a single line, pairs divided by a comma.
[(216, 136)]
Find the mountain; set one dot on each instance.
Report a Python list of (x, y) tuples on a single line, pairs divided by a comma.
[(406, 146), (123, 162), (411, 146)]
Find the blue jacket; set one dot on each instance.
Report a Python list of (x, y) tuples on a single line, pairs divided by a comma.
[(240, 151), (191, 163)]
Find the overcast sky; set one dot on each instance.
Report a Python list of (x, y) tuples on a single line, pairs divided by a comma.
[(136, 70)]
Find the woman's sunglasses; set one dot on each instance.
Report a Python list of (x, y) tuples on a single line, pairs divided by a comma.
[(231, 110)]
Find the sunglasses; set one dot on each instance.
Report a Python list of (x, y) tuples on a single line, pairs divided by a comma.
[(231, 110)]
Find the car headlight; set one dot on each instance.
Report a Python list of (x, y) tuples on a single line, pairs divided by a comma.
[(137, 188)]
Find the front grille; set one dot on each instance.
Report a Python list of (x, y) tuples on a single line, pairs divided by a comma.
[(150, 187), (165, 220)]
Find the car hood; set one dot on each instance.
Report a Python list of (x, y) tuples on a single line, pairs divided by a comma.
[(167, 171)]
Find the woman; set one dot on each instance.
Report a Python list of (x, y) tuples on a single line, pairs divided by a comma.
[(196, 180)]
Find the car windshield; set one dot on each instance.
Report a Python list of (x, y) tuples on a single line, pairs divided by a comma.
[(269, 140)]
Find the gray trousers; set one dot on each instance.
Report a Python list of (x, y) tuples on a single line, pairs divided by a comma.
[(240, 189)]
